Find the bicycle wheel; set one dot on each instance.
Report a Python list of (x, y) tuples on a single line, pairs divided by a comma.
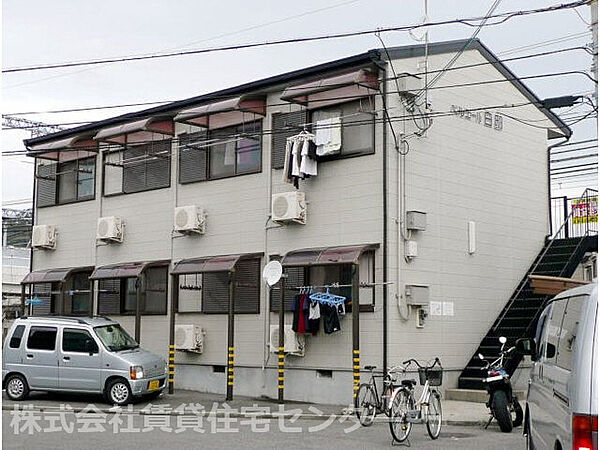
[(400, 426), (433, 420), (365, 404)]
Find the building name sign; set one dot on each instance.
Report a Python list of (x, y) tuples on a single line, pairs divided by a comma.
[(485, 118)]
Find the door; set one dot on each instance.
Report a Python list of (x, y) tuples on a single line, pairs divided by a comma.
[(559, 373), (536, 396), (80, 361), (40, 362)]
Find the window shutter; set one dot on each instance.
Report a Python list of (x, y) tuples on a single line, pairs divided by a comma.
[(295, 277), (247, 288), (46, 185), (215, 293), (109, 296), (284, 125), (193, 160), (158, 166), (42, 291), (134, 169)]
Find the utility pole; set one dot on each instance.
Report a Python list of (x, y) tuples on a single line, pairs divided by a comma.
[(594, 27)]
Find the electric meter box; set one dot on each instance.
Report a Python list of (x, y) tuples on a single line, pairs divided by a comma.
[(417, 294), (416, 220)]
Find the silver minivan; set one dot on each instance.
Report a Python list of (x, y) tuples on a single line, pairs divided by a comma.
[(78, 354), (562, 399)]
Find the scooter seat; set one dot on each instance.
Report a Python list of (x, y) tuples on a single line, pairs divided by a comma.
[(409, 383)]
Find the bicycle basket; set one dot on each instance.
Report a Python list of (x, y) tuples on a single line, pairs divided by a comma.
[(433, 375)]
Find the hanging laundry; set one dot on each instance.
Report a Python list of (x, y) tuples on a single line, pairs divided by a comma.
[(229, 159), (331, 320), (308, 166), (328, 136), (300, 158), (314, 317), (286, 161), (296, 149), (299, 318)]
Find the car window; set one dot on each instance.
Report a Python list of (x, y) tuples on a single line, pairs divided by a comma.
[(42, 338), (15, 340), (74, 341), (568, 333), (554, 327)]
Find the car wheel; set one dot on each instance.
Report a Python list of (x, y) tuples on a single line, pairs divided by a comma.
[(16, 387), (118, 392)]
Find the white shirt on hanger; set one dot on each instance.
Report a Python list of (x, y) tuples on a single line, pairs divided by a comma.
[(308, 165)]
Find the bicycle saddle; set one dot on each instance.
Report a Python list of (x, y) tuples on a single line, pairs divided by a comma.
[(370, 367), (409, 383)]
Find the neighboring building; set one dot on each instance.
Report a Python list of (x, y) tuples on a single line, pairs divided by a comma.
[(475, 184), (16, 251)]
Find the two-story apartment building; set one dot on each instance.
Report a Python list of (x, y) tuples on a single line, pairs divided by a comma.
[(439, 199)]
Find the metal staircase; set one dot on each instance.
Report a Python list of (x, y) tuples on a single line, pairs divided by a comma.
[(560, 256)]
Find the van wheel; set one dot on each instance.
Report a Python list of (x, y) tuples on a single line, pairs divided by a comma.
[(118, 392), (16, 387)]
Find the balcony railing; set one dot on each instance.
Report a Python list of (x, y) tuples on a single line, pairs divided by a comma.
[(581, 212)]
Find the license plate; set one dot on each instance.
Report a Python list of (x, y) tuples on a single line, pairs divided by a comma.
[(153, 385), (496, 378)]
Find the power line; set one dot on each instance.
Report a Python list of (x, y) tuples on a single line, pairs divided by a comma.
[(477, 83), (398, 118), (467, 66), (503, 17)]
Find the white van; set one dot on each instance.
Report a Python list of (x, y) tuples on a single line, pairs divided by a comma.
[(562, 399)]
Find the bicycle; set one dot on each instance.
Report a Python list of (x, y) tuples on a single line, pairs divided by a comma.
[(428, 408), (368, 403)]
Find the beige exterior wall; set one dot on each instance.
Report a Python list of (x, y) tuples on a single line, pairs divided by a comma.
[(461, 171)]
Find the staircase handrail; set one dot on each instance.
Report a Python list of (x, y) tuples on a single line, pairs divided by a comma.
[(525, 280)]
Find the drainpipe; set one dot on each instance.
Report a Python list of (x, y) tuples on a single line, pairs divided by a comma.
[(385, 231)]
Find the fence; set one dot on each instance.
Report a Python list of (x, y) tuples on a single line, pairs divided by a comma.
[(584, 218)]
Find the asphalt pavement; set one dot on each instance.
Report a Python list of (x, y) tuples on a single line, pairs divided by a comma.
[(130, 431)]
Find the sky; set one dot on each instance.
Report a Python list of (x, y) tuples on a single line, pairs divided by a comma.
[(72, 30)]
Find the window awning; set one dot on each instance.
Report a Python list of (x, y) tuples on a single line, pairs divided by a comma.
[(53, 275), (65, 149), (224, 113), (326, 255), (225, 263), (140, 131), (124, 270), (337, 89)]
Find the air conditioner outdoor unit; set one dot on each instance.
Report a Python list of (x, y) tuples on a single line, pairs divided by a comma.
[(189, 338), (190, 219), (294, 343), (110, 229), (44, 236), (288, 207)]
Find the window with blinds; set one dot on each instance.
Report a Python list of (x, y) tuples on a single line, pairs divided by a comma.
[(283, 126), (117, 296), (215, 289), (137, 168), (222, 153), (67, 182)]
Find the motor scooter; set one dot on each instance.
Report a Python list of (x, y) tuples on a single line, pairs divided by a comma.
[(503, 404)]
